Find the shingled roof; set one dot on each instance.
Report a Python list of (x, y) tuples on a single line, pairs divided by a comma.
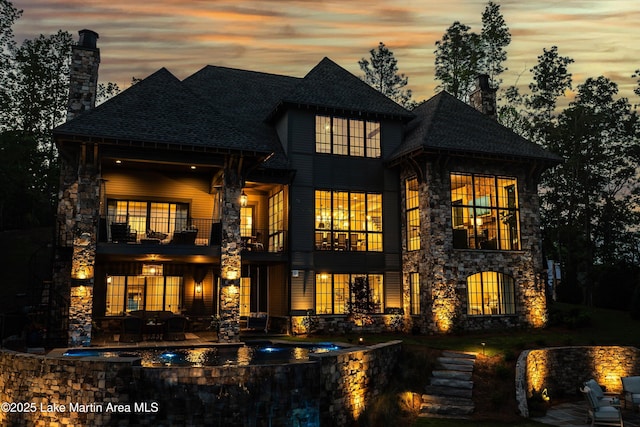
[(444, 124), (330, 86), (225, 108), (160, 109)]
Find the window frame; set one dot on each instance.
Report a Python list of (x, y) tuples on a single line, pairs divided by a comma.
[(332, 292), (139, 215), (144, 287), (330, 231), (412, 214), (496, 294), (343, 136), (414, 293), (485, 211)]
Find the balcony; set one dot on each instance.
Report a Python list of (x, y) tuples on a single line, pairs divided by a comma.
[(189, 232), (261, 240)]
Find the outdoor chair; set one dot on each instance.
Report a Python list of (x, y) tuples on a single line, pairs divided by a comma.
[(258, 321), (631, 391), (122, 233), (131, 329), (601, 415), (174, 328), (602, 397)]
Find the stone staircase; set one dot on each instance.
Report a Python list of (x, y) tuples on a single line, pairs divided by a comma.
[(451, 388)]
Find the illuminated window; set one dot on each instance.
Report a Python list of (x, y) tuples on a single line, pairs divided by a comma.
[(149, 219), (414, 292), (347, 137), (348, 221), (413, 214), (245, 296), (490, 293), (246, 221), (276, 222), (151, 293), (333, 292), (485, 212)]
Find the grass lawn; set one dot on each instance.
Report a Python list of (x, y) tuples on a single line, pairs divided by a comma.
[(494, 375)]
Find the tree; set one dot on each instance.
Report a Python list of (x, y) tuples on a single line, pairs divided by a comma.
[(8, 16), (495, 37), (590, 201), (461, 54), (457, 60), (381, 73)]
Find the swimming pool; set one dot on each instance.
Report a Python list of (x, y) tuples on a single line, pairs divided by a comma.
[(251, 353)]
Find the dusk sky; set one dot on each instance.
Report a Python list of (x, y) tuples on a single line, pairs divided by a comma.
[(291, 36)]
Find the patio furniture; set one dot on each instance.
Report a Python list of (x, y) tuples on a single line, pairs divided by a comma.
[(131, 329), (121, 233), (603, 398), (631, 391), (174, 328), (600, 415), (258, 321), (185, 237)]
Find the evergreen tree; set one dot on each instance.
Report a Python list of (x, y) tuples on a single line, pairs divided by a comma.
[(495, 38), (381, 73)]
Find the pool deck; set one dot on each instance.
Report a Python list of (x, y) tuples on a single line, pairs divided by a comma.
[(574, 414)]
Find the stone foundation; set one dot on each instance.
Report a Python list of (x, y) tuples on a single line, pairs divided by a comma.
[(332, 389)]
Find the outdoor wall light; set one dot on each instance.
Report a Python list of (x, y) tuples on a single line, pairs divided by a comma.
[(198, 288), (244, 199)]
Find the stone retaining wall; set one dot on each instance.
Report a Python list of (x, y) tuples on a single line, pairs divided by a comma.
[(562, 370), (330, 389)]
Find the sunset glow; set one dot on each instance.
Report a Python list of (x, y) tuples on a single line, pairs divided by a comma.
[(291, 36)]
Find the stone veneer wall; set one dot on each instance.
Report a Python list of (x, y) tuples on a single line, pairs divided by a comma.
[(444, 270), (330, 390), (562, 370)]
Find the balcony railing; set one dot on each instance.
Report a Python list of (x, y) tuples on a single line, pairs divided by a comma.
[(263, 241), (193, 231)]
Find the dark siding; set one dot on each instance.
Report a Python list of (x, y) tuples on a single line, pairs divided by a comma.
[(393, 289)]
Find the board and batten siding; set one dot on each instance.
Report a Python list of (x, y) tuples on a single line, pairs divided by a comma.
[(155, 186), (302, 290)]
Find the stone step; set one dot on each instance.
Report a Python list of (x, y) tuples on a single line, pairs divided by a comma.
[(453, 375), (444, 409), (456, 367), (446, 400), (459, 355), (448, 391), (445, 382), (456, 361)]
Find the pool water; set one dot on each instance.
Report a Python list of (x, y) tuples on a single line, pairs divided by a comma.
[(250, 354)]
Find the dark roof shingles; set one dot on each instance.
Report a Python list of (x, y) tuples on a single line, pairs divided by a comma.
[(446, 124)]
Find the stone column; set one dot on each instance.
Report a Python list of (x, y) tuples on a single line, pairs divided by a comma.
[(230, 260), (83, 258)]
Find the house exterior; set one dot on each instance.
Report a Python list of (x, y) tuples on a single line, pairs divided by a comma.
[(235, 192)]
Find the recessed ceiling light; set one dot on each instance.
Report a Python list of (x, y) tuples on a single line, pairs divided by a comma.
[(118, 162), (193, 167)]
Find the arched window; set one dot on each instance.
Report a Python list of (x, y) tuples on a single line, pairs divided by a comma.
[(490, 293)]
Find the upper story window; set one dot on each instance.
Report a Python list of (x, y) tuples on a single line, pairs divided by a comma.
[(347, 137), (348, 221), (276, 222), (484, 212), (413, 214)]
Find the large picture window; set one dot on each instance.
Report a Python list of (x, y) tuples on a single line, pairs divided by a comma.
[(347, 137), (332, 292), (484, 212), (348, 221), (490, 293), (276, 222), (150, 293), (413, 214), (148, 219)]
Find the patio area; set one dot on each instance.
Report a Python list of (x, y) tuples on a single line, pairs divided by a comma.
[(573, 414)]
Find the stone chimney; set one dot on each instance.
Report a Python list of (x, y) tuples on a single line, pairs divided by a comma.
[(83, 78), (483, 98)]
